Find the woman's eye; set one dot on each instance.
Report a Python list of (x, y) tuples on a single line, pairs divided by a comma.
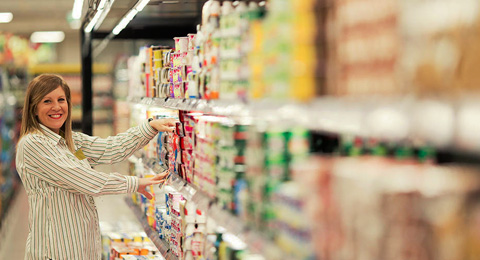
[(46, 101), (61, 100)]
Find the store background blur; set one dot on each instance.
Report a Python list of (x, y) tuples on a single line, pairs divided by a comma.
[(23, 55), (309, 129)]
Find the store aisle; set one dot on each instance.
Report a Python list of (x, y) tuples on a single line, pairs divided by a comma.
[(14, 232)]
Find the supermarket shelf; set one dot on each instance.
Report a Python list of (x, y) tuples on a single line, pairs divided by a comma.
[(152, 234), (217, 107), (256, 242), (438, 123)]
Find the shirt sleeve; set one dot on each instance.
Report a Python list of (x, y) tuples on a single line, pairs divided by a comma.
[(117, 148), (42, 159)]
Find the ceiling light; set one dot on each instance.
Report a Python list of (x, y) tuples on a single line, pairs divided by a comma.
[(77, 9), (96, 17), (47, 36), (92, 22), (142, 5), (6, 17), (129, 16), (124, 22)]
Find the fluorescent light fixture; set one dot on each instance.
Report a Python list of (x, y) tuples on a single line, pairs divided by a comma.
[(129, 16), (105, 12), (92, 22), (124, 22), (77, 9), (142, 5), (96, 17), (6, 17), (47, 36)]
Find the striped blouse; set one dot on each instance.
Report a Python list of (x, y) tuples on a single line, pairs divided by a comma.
[(63, 220)]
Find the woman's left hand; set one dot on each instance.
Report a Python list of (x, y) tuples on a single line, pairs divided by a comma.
[(164, 124), (144, 182)]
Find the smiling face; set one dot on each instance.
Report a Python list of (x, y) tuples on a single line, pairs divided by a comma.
[(52, 111)]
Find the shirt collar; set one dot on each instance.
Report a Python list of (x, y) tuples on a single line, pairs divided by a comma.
[(50, 134)]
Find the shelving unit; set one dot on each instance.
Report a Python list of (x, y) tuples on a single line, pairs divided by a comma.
[(394, 120), (10, 117), (256, 242)]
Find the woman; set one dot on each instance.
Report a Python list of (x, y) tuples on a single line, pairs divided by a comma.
[(55, 163)]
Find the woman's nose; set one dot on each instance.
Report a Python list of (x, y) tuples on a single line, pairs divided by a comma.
[(56, 105)]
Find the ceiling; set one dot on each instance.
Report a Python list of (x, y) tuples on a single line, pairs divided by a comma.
[(51, 15), (157, 15), (37, 15)]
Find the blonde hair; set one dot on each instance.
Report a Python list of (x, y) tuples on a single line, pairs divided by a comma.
[(38, 88)]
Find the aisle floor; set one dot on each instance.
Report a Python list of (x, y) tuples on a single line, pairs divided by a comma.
[(13, 236)]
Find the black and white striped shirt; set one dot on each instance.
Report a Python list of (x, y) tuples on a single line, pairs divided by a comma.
[(63, 220)]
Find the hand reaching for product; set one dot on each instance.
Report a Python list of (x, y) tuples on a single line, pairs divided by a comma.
[(144, 182), (164, 125)]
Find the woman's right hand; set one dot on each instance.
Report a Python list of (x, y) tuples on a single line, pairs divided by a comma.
[(164, 124), (144, 182)]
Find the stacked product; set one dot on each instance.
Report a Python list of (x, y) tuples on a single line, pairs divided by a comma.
[(440, 46), (147, 206), (8, 137), (145, 59), (178, 68), (401, 47), (177, 221), (267, 162), (270, 151), (229, 58), (187, 125), (364, 51), (159, 62), (287, 56), (145, 72), (234, 26), (209, 51), (173, 151), (215, 164), (117, 244), (224, 246), (192, 67), (194, 231), (204, 153), (414, 210), (174, 237), (230, 150), (151, 150), (293, 226)]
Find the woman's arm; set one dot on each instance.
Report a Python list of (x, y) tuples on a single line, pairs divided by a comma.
[(40, 158), (115, 149)]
